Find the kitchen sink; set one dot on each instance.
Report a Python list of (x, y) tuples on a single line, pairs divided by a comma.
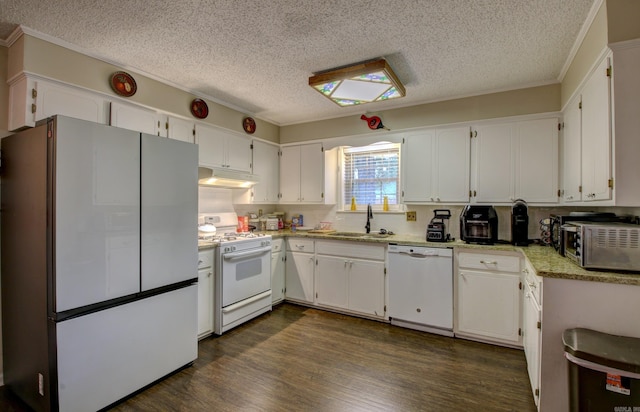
[(359, 235)]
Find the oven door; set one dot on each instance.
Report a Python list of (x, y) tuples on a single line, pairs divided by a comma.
[(571, 241), (245, 274)]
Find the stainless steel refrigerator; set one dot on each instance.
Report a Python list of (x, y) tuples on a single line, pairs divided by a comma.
[(99, 262)]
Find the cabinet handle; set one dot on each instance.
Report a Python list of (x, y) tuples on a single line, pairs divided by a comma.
[(489, 262), (209, 274)]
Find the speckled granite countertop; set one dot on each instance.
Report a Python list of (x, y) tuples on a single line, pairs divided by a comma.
[(545, 260)]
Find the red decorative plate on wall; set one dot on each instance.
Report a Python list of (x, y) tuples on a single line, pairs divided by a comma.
[(199, 108), (249, 125), (123, 84)]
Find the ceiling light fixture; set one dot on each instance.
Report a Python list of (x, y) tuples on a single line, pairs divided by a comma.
[(361, 83)]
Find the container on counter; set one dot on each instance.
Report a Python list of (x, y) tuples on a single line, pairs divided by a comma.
[(297, 220), (272, 222), (243, 224)]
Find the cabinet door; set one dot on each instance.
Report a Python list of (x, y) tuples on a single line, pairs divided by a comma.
[(299, 276), (536, 160), (311, 173), (55, 99), (366, 287), (417, 157), (332, 283), (290, 174), (205, 301), (489, 305), (493, 163), (571, 152), (451, 165), (211, 144), (180, 129), (266, 164), (277, 276), (238, 153), (531, 340), (134, 118), (596, 135)]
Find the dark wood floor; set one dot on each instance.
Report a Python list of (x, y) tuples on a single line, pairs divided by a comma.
[(302, 359)]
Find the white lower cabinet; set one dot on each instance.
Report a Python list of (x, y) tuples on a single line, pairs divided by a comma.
[(532, 317), (299, 269), (351, 276), (277, 270), (489, 298), (205, 292)]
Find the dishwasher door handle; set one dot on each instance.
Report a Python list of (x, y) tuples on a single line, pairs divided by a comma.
[(418, 255)]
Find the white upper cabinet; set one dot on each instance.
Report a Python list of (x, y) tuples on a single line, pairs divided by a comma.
[(536, 160), (266, 165), (307, 174), (134, 118), (435, 165), (224, 149), (596, 135), (572, 152), (31, 100), (417, 155), (493, 177), (176, 128), (516, 160)]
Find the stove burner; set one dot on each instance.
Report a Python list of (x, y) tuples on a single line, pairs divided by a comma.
[(230, 236)]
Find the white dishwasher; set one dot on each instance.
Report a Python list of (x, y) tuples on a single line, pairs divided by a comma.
[(421, 288)]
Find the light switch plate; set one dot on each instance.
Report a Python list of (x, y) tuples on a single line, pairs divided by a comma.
[(411, 216)]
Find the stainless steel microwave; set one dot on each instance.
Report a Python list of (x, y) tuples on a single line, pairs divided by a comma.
[(603, 245)]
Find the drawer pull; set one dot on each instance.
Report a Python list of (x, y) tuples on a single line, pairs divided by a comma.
[(489, 262)]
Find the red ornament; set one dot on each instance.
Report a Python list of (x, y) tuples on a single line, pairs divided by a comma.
[(374, 122)]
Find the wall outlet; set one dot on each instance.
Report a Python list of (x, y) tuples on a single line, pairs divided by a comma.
[(411, 216), (41, 384)]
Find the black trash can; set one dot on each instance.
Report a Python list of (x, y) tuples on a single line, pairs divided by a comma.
[(604, 371)]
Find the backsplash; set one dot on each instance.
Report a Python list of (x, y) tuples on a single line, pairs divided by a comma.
[(212, 199)]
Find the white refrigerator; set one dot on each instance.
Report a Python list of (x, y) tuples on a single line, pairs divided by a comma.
[(99, 262)]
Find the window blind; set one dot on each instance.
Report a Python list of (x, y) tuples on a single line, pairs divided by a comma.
[(370, 173)]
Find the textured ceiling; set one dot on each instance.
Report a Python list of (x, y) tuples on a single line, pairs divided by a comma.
[(258, 55)]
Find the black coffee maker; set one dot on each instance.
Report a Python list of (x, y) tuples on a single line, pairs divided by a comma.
[(519, 223)]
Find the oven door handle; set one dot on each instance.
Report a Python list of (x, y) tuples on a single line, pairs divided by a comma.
[(246, 254)]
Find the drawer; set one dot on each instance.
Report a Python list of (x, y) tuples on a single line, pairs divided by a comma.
[(300, 245), (277, 245), (350, 249), (205, 259), (486, 261)]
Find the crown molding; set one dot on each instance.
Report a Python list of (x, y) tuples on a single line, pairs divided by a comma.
[(581, 35), (62, 43)]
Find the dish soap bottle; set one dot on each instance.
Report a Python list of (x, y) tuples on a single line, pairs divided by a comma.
[(385, 204), (353, 203)]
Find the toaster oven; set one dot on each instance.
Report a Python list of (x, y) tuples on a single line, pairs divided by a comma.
[(603, 245)]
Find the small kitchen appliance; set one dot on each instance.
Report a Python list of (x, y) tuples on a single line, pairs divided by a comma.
[(438, 227), (519, 223), (557, 221), (479, 224), (603, 245)]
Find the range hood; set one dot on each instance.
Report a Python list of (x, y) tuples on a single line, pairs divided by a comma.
[(226, 178)]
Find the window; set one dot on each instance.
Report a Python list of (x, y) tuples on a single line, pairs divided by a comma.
[(370, 173)]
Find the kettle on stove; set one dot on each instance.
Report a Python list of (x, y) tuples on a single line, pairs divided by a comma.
[(438, 227)]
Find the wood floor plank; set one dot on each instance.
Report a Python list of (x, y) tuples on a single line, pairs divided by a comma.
[(302, 359)]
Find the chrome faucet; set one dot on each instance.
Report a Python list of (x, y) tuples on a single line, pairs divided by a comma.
[(369, 217)]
